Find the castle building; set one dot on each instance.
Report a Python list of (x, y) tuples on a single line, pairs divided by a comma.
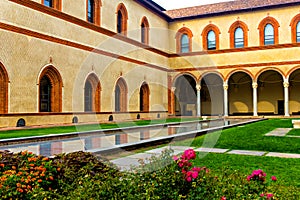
[(85, 61)]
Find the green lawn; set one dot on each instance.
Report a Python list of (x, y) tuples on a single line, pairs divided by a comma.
[(250, 137), (287, 170), (26, 132), (295, 132)]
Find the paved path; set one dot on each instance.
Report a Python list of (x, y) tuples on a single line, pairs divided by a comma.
[(133, 160)]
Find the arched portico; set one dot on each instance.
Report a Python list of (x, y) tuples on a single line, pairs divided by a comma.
[(294, 94), (271, 98), (185, 95), (240, 94), (212, 95)]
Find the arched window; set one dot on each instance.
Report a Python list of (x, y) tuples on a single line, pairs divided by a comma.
[(238, 38), (269, 35), (184, 40), (211, 40), (92, 91), (52, 4), (144, 97), (93, 11), (295, 27), (268, 31), (50, 90), (121, 96), (145, 31), (48, 3), (184, 44), (210, 37), (45, 94), (298, 32), (238, 35), (122, 17), (3, 90)]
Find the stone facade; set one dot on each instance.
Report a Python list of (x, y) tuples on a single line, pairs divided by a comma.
[(123, 59)]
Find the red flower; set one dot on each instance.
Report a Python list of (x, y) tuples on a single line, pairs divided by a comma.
[(223, 198), (274, 178)]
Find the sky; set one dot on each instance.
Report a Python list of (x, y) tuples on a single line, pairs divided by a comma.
[(173, 4)]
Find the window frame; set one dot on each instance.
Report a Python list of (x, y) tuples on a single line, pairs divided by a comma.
[(96, 11), (206, 30), (232, 29), (293, 24), (124, 17), (183, 31), (145, 30), (56, 4), (272, 21)]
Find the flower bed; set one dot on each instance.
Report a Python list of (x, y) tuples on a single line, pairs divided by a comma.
[(81, 175)]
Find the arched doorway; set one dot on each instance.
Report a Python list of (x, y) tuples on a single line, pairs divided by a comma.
[(3, 90), (212, 95), (240, 94), (294, 88), (185, 96), (270, 93), (121, 96), (92, 91), (50, 90), (144, 97)]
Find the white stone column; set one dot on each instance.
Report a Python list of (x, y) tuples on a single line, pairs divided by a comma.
[(254, 86), (225, 86), (286, 98), (173, 100), (198, 88)]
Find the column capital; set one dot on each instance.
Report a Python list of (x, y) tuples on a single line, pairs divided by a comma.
[(173, 89), (225, 86), (198, 87), (286, 84), (254, 85)]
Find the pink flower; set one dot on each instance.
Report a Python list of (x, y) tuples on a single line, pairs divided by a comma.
[(194, 174), (269, 196), (274, 178), (189, 154), (175, 158), (262, 195), (249, 178), (223, 198), (188, 179)]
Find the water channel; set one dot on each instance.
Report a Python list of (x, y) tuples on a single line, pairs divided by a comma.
[(104, 140)]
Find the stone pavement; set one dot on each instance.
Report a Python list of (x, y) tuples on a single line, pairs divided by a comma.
[(125, 163)]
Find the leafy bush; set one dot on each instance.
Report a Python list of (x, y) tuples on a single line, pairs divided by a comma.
[(82, 175)]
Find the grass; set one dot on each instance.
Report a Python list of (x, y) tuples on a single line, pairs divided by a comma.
[(294, 132), (285, 169), (27, 132), (249, 137)]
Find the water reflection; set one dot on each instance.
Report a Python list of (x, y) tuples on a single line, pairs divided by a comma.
[(103, 140)]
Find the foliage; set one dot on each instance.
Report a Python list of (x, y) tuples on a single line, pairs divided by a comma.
[(82, 175)]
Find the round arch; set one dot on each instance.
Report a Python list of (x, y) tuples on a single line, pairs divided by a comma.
[(294, 87), (4, 80), (261, 28), (185, 95), (233, 27), (240, 94), (50, 90), (121, 91), (208, 28), (178, 36), (270, 92), (239, 70), (212, 94)]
